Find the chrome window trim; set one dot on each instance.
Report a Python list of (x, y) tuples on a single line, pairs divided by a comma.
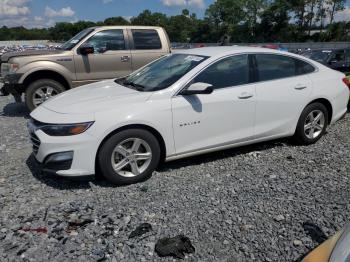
[(248, 53)]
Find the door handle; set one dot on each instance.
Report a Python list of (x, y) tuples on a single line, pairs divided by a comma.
[(245, 95), (125, 58), (300, 87)]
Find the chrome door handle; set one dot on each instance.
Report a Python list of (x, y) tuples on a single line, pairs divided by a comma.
[(125, 58), (245, 95), (300, 87)]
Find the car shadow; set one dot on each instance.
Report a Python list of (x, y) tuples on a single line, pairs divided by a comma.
[(63, 183), (15, 110), (222, 154)]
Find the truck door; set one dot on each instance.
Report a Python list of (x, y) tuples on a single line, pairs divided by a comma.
[(111, 57), (146, 46)]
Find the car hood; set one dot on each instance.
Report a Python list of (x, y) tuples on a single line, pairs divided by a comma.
[(96, 97), (7, 56)]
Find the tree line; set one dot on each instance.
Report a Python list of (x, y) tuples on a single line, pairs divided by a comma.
[(246, 21)]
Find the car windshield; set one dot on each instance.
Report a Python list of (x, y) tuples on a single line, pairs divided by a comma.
[(75, 39), (163, 72), (320, 56)]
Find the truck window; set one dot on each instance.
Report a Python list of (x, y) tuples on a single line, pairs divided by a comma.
[(107, 40), (146, 39)]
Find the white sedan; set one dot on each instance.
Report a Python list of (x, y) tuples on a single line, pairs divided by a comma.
[(186, 103)]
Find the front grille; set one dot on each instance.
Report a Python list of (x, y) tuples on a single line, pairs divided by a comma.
[(35, 141)]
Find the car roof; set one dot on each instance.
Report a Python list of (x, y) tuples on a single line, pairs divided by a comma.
[(227, 50)]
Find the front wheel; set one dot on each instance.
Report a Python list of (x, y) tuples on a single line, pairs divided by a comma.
[(312, 124), (129, 156), (41, 90)]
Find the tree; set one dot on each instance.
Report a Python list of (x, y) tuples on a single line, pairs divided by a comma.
[(118, 20), (336, 5), (151, 19)]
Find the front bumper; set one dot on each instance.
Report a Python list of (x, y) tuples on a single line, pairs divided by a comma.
[(11, 85), (48, 151)]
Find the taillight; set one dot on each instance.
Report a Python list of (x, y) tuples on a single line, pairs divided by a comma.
[(346, 81)]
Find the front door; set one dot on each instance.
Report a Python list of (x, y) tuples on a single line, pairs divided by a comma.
[(223, 117), (111, 58)]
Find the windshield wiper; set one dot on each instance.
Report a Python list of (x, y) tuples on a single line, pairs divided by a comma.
[(138, 87)]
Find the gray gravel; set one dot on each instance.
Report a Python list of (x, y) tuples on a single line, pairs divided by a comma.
[(245, 204)]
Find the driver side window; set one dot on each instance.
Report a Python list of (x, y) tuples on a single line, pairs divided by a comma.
[(228, 72), (107, 40)]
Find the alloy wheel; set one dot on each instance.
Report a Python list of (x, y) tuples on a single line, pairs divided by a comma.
[(42, 94), (131, 157), (314, 124)]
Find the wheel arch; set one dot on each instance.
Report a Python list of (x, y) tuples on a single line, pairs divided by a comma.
[(46, 74), (328, 106), (152, 130)]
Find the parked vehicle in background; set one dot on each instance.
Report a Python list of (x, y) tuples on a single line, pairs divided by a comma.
[(187, 103), (94, 54), (338, 59), (335, 249)]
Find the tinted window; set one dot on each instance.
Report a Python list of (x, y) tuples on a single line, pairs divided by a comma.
[(339, 55), (347, 55), (231, 71), (274, 67), (107, 40), (303, 67), (146, 39)]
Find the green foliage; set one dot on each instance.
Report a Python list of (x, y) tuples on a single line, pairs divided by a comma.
[(241, 20)]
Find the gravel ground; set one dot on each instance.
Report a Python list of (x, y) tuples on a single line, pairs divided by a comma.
[(245, 204)]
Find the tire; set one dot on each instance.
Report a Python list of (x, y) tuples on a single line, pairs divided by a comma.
[(303, 132), (126, 140), (43, 84)]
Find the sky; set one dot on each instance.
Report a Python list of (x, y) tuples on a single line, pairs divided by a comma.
[(45, 13)]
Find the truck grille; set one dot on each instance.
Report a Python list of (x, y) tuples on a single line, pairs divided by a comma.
[(35, 141)]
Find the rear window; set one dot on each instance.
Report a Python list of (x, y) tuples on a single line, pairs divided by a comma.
[(303, 67), (146, 39), (271, 67)]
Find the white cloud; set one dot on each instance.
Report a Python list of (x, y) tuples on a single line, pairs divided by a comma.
[(197, 3), (107, 1), (342, 15), (10, 8), (63, 12), (38, 18)]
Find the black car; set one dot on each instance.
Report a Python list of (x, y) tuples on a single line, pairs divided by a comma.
[(338, 59)]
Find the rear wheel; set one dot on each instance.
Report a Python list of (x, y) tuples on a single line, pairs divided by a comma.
[(41, 90), (129, 156), (312, 124)]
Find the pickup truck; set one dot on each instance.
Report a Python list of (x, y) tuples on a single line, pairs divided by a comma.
[(94, 54)]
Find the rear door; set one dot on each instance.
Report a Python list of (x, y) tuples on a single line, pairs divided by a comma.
[(281, 93), (111, 58), (146, 46)]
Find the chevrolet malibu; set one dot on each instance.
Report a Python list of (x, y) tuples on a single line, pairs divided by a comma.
[(184, 104)]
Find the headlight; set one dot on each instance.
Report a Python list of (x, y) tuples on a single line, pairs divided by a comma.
[(8, 68), (65, 129)]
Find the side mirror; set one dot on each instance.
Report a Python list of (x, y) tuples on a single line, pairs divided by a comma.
[(198, 88), (86, 49)]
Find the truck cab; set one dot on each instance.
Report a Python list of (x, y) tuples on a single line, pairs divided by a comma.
[(94, 54)]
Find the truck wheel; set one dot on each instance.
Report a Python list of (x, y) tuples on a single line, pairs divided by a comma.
[(41, 90), (129, 156)]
